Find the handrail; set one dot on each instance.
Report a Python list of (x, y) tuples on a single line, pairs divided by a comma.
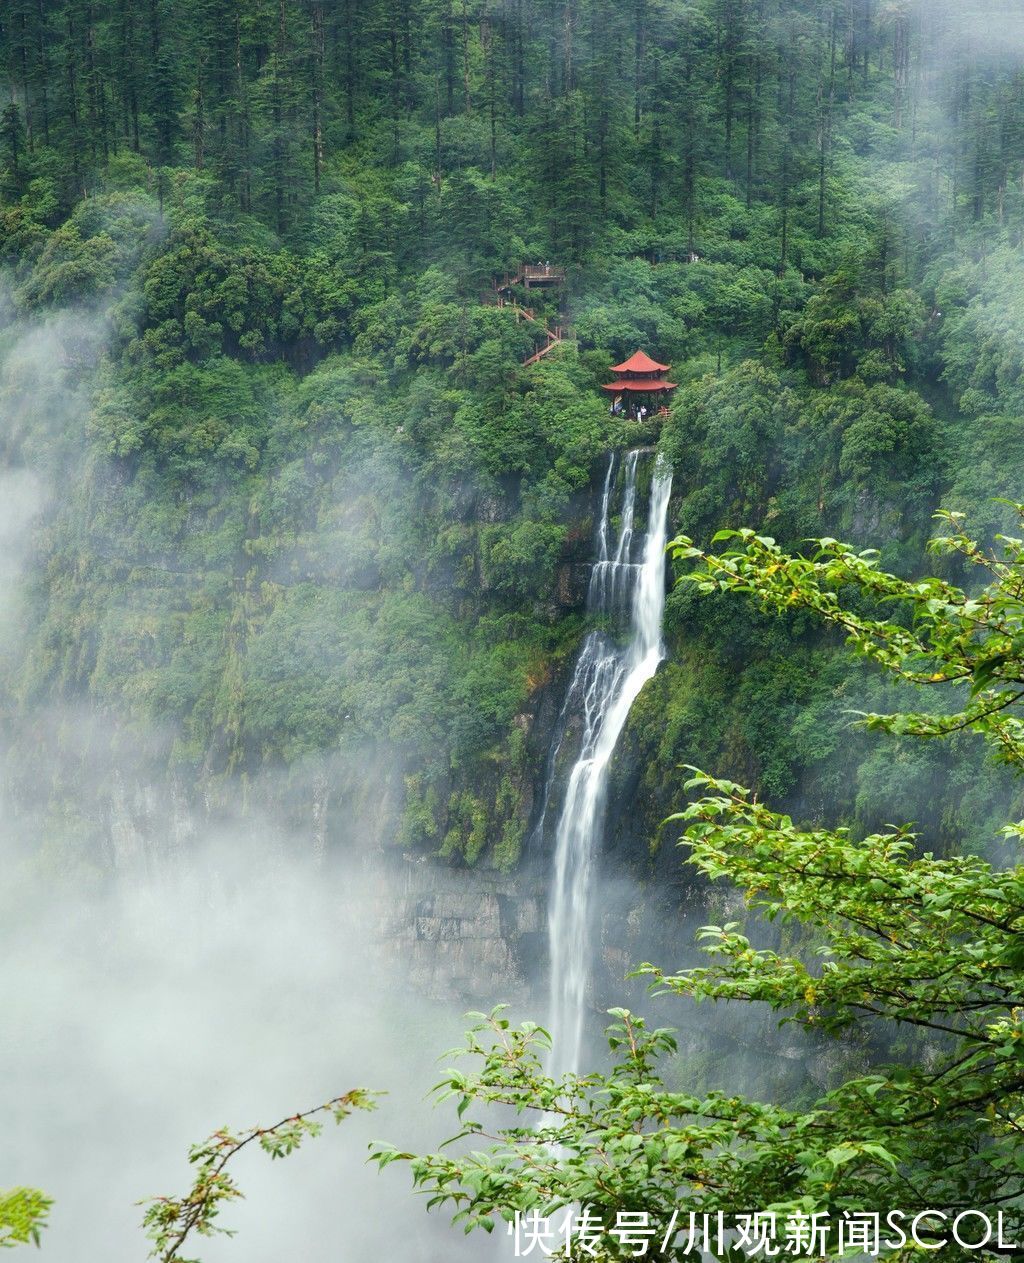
[(535, 270), (530, 272)]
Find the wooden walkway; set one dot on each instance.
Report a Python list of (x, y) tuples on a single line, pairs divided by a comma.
[(503, 297), (552, 335)]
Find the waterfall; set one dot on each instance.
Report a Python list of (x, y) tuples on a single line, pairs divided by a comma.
[(608, 676)]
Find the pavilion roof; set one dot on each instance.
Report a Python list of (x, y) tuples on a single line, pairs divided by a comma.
[(640, 362)]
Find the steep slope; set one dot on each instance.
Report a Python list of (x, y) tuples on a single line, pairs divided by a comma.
[(311, 527)]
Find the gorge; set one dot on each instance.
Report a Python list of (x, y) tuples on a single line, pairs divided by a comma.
[(345, 684)]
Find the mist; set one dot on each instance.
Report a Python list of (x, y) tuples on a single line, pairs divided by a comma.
[(231, 988), (169, 970)]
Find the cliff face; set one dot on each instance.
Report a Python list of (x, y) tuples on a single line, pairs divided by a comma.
[(176, 679), (354, 619), (467, 936), (445, 927)]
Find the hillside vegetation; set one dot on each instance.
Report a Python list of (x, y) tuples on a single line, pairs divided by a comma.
[(306, 513)]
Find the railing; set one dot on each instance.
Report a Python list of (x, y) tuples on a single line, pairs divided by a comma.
[(521, 313), (542, 272), (530, 274), (554, 336)]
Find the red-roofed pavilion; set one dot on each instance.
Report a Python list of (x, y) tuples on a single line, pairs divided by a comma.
[(640, 382)]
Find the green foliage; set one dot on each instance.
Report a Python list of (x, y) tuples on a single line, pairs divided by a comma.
[(169, 1222), (84, 258), (887, 434), (23, 1215), (189, 416), (312, 421), (899, 939), (852, 325), (509, 810), (981, 313), (954, 637), (728, 434), (467, 834)]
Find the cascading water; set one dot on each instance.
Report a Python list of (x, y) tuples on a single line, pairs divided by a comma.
[(607, 679)]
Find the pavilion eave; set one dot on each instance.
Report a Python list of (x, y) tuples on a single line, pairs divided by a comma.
[(639, 387)]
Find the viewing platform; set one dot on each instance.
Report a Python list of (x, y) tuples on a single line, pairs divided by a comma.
[(533, 276)]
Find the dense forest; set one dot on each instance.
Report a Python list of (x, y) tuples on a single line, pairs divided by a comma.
[(315, 516)]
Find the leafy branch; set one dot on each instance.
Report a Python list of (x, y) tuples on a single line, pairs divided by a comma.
[(971, 641), (23, 1214), (170, 1221)]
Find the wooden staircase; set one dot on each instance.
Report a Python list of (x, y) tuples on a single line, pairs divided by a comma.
[(554, 337), (502, 297)]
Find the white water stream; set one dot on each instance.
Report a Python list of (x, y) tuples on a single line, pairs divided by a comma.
[(608, 677)]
